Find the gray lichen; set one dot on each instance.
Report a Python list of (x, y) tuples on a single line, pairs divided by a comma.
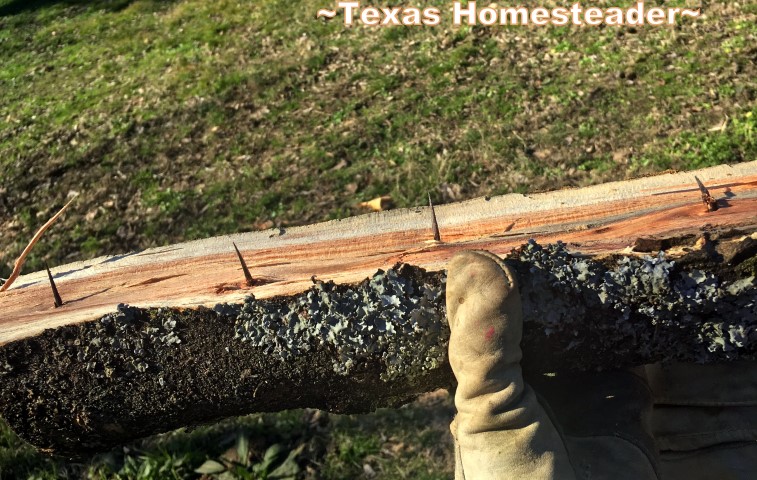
[(391, 317), (354, 348), (639, 299), (118, 344), (633, 309)]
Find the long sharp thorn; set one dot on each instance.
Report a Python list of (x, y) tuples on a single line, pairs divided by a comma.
[(434, 224), (702, 188), (246, 270), (56, 295), (707, 199)]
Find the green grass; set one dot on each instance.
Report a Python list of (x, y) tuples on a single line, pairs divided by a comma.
[(409, 443), (177, 120), (189, 119)]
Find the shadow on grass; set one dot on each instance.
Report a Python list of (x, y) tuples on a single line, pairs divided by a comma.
[(15, 7), (186, 449), (336, 446)]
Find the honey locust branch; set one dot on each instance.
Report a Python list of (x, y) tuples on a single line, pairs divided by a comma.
[(349, 316)]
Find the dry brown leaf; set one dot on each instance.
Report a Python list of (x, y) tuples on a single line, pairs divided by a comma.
[(720, 127), (378, 204)]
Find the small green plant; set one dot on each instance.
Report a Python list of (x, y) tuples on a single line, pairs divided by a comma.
[(276, 463)]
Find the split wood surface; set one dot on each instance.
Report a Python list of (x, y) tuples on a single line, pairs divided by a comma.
[(72, 385), (597, 220)]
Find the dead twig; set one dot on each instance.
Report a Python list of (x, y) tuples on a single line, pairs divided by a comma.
[(22, 258)]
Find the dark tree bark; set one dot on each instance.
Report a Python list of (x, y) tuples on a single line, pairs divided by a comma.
[(197, 345)]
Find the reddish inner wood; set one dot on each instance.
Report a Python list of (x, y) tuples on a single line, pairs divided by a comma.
[(607, 227)]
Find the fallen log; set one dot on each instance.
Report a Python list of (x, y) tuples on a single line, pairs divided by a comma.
[(348, 315)]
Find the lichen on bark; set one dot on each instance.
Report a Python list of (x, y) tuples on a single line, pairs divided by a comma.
[(353, 348)]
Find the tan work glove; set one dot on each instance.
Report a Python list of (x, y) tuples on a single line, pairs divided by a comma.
[(705, 420), (501, 429)]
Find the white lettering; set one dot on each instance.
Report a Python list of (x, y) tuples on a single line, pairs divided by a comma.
[(349, 10), (411, 16), (370, 16), (390, 16), (514, 16), (672, 15), (593, 16), (539, 16), (467, 13), (655, 16), (560, 16), (635, 15), (487, 16), (458, 13), (432, 17), (575, 11), (614, 16)]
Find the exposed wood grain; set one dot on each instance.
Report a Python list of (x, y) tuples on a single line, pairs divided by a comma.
[(89, 386), (594, 220)]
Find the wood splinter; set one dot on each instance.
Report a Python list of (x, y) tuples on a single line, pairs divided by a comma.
[(707, 199), (22, 258), (56, 296), (247, 275)]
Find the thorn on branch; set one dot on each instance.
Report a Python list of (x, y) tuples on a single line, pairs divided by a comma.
[(434, 224), (247, 275), (709, 202), (56, 295)]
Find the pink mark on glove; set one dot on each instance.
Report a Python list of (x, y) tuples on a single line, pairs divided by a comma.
[(490, 334)]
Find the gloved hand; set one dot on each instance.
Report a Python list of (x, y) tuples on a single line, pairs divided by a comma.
[(705, 420), (502, 430)]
